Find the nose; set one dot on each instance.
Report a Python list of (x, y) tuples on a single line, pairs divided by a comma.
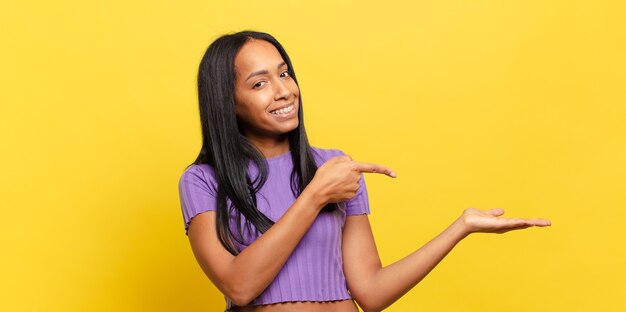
[(281, 91)]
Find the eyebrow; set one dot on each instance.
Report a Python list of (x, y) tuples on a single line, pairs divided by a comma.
[(263, 71)]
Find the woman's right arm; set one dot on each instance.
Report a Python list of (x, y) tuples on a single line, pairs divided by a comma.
[(244, 277)]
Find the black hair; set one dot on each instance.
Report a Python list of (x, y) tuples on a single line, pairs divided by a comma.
[(228, 151)]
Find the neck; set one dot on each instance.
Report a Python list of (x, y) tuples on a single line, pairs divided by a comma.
[(270, 147)]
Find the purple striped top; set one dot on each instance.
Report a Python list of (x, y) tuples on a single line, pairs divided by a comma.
[(314, 270)]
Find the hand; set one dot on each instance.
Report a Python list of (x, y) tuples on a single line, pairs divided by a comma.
[(338, 178), (488, 221)]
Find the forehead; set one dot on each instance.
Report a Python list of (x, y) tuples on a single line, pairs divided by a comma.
[(257, 55)]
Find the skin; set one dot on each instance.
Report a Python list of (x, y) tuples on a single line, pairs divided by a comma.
[(243, 277), (262, 85)]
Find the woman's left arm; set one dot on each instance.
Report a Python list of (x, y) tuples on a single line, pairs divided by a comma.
[(375, 288)]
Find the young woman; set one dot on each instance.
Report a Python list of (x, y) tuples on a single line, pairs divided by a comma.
[(279, 225)]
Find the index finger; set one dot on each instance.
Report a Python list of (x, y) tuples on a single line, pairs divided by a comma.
[(375, 168)]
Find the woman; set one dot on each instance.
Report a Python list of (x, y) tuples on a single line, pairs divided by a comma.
[(278, 225)]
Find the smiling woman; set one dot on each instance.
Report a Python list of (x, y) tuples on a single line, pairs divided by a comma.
[(266, 95), (279, 225)]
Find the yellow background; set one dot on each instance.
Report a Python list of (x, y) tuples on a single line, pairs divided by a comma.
[(512, 104)]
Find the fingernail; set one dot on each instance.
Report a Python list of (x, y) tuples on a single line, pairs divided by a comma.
[(393, 174)]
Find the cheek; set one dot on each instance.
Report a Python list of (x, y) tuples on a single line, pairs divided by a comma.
[(242, 110), (245, 114), (294, 88), (250, 112)]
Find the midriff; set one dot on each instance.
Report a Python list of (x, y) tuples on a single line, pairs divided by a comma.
[(308, 306)]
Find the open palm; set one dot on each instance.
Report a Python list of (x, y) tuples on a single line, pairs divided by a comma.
[(489, 221)]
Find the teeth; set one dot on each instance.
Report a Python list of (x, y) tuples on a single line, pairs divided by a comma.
[(284, 110)]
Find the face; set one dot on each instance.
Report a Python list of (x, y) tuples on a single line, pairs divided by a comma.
[(266, 97)]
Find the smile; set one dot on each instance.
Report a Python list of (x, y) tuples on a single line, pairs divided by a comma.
[(283, 111)]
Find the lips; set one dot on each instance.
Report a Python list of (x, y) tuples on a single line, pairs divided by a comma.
[(283, 110)]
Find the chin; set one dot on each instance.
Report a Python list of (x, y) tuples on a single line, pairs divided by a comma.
[(292, 127)]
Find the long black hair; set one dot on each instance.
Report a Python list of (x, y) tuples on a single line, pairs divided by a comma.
[(228, 151)]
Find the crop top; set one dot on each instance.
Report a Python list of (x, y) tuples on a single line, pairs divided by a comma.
[(314, 271)]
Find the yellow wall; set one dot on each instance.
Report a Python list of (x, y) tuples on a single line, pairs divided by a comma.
[(512, 104)]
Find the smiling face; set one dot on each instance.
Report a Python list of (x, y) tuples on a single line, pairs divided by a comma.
[(266, 97)]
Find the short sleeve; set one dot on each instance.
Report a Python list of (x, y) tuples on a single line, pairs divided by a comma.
[(359, 204), (197, 192)]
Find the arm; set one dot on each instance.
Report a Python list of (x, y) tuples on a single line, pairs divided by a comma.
[(375, 287), (243, 277)]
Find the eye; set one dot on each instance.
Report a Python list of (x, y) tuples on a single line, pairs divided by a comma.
[(258, 84), (284, 74)]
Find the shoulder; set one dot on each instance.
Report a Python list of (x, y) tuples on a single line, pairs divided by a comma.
[(197, 189), (198, 175), (324, 154)]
